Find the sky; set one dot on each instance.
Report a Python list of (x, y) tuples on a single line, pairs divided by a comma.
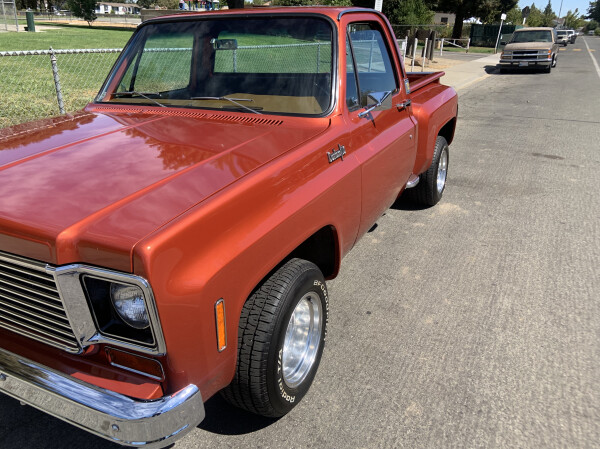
[(567, 5)]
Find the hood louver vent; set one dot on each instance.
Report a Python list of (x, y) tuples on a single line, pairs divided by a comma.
[(254, 120), (220, 117), (158, 111)]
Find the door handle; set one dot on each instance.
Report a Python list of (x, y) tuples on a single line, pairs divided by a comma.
[(404, 105)]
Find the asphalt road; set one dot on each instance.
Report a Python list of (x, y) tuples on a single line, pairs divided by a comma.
[(475, 323)]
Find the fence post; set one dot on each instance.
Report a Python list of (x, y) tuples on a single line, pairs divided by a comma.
[(16, 19), (442, 47), (405, 45), (318, 56), (468, 42), (424, 56), (4, 15), (414, 55), (235, 60), (371, 55), (61, 105)]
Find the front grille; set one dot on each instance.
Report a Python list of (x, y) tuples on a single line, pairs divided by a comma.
[(529, 54), (30, 304)]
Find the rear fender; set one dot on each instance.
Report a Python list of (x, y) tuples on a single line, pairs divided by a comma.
[(435, 108)]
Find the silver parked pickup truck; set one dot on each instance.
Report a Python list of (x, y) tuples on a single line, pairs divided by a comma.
[(563, 37), (530, 48)]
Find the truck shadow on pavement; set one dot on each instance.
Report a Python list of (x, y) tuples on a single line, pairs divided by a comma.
[(495, 70), (492, 69), (404, 203), (26, 427), (225, 419)]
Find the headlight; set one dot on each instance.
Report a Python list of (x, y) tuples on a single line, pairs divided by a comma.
[(129, 303), (121, 309)]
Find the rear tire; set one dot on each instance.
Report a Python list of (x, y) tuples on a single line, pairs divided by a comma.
[(280, 340), (432, 184)]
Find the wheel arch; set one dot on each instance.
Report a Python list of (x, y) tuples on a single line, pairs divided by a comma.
[(447, 131), (320, 248)]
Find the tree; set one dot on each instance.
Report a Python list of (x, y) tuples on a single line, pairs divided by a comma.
[(515, 16), (335, 2), (86, 9), (593, 11), (464, 9), (145, 4), (408, 12), (548, 16), (166, 4), (573, 20), (535, 18)]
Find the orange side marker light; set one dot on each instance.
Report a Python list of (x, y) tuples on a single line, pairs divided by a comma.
[(221, 328)]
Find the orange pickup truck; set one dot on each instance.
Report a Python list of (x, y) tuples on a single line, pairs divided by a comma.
[(173, 239)]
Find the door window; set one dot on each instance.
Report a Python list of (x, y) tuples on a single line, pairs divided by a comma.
[(351, 88), (372, 57)]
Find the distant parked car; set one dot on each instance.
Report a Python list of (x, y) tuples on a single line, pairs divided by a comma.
[(572, 36), (591, 33), (562, 37)]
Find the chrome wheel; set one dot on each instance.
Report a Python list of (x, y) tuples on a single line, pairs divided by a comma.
[(302, 338), (442, 170)]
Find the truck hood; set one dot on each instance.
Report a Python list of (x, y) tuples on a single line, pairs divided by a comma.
[(528, 46), (86, 188)]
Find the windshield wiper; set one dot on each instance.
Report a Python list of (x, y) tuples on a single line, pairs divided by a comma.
[(232, 100), (140, 94)]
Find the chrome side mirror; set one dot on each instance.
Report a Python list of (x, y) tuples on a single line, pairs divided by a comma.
[(383, 101)]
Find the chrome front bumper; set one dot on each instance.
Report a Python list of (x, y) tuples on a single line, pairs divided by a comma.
[(121, 419), (531, 62)]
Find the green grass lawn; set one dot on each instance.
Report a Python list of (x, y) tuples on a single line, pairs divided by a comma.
[(27, 88), (65, 37)]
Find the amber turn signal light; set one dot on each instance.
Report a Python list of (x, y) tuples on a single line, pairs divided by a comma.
[(136, 364), (220, 320)]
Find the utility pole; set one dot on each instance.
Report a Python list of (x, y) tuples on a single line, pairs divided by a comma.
[(560, 10)]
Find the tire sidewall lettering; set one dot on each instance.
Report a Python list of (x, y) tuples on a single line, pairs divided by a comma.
[(287, 397)]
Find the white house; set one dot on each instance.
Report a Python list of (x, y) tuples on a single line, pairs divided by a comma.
[(117, 8)]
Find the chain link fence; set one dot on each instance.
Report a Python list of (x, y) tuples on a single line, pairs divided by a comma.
[(44, 83), (443, 31), (28, 87), (313, 57), (8, 16)]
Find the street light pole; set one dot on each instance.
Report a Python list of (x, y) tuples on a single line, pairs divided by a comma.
[(502, 17)]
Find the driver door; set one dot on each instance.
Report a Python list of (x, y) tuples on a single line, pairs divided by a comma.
[(384, 141)]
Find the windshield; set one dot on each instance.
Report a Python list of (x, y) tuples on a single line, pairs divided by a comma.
[(561, 33), (250, 65), (532, 36)]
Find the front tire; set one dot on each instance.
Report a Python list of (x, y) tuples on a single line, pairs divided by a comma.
[(433, 182), (280, 340)]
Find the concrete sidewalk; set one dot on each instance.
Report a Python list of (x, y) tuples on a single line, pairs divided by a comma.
[(462, 75)]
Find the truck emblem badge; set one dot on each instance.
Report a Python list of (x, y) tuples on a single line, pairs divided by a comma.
[(336, 154)]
